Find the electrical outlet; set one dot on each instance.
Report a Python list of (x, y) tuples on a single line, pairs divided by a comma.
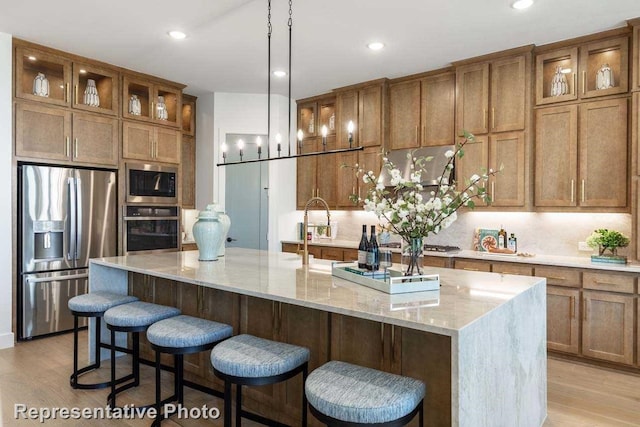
[(583, 247)]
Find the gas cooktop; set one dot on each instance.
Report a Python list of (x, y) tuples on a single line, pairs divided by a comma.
[(441, 248)]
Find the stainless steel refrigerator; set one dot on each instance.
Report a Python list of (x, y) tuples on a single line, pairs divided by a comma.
[(66, 217)]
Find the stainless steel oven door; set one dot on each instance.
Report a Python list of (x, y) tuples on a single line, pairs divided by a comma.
[(151, 234)]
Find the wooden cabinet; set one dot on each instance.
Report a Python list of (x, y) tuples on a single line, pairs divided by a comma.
[(151, 143), (365, 107), (472, 101), (30, 63), (347, 180), (563, 324), (316, 112), (476, 157), (560, 276), (316, 176), (46, 133), (189, 115), (507, 154), (573, 165), (422, 112), (511, 268), (148, 93), (579, 67), (469, 265), (107, 86), (188, 175)]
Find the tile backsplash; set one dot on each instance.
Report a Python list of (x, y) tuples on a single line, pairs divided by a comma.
[(540, 233)]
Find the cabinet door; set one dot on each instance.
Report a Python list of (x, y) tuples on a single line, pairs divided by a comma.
[(438, 110), (360, 341), (189, 115), (607, 327), (95, 139), (306, 173), (563, 314), (603, 153), (370, 116), (506, 151), (327, 173), (476, 158), (508, 83), (347, 180), (140, 90), (308, 119), (472, 102), (55, 72), (636, 62), (42, 132), (347, 111), (556, 156), (548, 64), (167, 145), (188, 175), (137, 141), (593, 56), (370, 159), (172, 98), (106, 86), (404, 105)]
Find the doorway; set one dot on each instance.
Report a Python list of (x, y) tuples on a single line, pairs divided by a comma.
[(246, 194)]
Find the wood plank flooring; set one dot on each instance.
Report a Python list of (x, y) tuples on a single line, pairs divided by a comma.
[(37, 373)]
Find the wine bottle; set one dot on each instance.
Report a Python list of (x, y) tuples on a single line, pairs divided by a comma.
[(362, 249), (502, 238), (373, 251)]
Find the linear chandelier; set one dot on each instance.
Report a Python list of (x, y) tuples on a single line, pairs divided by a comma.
[(224, 146)]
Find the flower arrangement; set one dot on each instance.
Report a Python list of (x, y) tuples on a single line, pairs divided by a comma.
[(605, 239), (413, 214)]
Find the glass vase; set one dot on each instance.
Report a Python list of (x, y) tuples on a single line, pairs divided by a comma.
[(413, 254)]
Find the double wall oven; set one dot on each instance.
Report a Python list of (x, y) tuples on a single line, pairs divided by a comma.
[(151, 215)]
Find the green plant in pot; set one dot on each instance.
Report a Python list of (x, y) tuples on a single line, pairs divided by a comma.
[(607, 242)]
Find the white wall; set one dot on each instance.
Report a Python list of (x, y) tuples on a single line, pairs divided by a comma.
[(6, 245), (204, 150)]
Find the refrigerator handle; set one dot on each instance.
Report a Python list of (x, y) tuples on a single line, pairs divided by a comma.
[(57, 278), (71, 235), (78, 218)]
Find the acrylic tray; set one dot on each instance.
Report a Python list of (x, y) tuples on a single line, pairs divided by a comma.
[(394, 283)]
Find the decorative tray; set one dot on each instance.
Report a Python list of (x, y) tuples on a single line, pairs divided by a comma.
[(390, 281)]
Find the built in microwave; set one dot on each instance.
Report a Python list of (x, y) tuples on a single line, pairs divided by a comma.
[(148, 183)]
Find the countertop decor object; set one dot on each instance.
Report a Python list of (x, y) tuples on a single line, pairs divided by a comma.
[(90, 96), (604, 78), (135, 108), (207, 232), (608, 242), (409, 211), (41, 85)]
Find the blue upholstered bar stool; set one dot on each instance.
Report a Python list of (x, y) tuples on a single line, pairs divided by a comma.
[(249, 360), (93, 304), (182, 335), (134, 317), (342, 394)]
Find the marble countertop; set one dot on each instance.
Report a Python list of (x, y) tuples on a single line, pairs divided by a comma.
[(463, 298), (551, 260)]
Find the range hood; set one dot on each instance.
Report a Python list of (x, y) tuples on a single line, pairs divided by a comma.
[(402, 162)]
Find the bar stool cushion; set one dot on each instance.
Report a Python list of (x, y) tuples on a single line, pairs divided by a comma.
[(98, 302), (362, 395), (138, 313), (247, 356), (187, 331)]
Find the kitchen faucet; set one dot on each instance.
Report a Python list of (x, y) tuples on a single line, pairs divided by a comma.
[(305, 253)]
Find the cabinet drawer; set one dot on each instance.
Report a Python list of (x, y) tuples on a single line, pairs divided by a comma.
[(435, 261), (609, 282), (349, 255), (472, 265), (316, 251), (334, 254), (290, 247), (559, 276), (511, 268)]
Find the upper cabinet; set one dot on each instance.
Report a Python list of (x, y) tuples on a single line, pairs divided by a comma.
[(422, 112), (95, 89), (189, 115), (314, 113), (365, 106), (151, 101), (593, 69), (472, 102)]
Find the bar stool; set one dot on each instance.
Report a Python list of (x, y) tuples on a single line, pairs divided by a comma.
[(134, 317), (249, 360), (342, 394), (181, 335), (92, 305)]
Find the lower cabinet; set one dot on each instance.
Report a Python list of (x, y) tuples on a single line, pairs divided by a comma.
[(463, 264), (607, 326), (563, 324)]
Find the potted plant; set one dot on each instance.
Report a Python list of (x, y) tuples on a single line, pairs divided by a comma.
[(607, 242)]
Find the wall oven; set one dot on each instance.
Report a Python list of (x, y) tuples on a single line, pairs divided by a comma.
[(151, 184), (151, 228)]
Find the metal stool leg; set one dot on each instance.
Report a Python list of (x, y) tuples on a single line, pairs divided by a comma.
[(238, 405), (421, 414), (227, 403), (113, 369), (136, 359), (304, 396), (97, 343), (158, 390)]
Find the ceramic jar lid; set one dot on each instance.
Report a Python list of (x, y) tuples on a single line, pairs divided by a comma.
[(209, 213)]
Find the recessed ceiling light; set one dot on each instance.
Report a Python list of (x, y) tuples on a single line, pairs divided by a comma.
[(375, 45), (279, 73), (31, 58), (178, 35), (521, 4)]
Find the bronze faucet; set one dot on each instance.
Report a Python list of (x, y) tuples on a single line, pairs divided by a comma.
[(305, 253)]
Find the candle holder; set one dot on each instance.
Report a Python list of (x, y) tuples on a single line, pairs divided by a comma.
[(350, 130), (324, 138)]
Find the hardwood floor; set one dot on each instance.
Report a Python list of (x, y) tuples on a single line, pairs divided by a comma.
[(36, 374)]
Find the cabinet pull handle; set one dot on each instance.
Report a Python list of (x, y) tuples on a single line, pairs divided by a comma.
[(573, 189), (582, 191), (598, 282), (470, 269), (152, 114), (493, 118), (75, 94), (66, 92), (493, 191), (584, 309), (317, 192), (575, 83), (66, 147), (75, 148), (484, 118), (572, 309), (556, 278), (382, 337), (584, 82), (151, 152), (424, 134)]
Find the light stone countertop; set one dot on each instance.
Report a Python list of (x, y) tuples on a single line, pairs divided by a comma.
[(464, 297), (551, 260)]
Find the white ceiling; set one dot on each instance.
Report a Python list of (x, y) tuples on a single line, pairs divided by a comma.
[(226, 47)]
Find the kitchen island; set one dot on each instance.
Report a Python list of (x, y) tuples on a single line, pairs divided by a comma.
[(479, 342)]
